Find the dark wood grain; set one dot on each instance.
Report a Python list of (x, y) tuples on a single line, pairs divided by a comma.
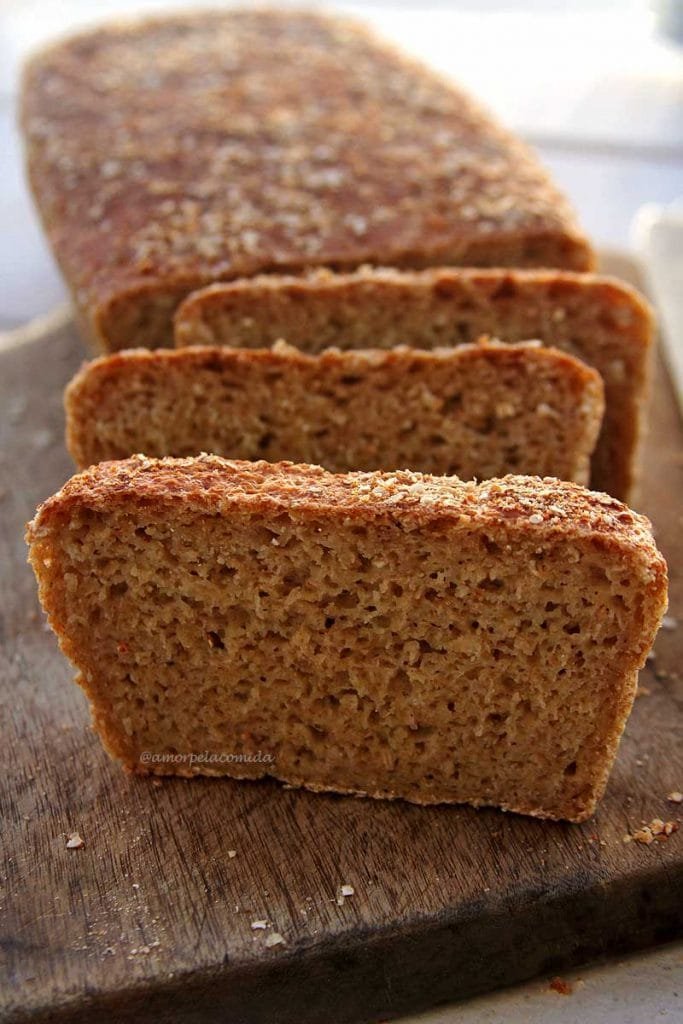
[(150, 921)]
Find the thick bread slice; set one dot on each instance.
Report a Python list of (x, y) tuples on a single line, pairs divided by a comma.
[(393, 635), (171, 152), (600, 320), (474, 411)]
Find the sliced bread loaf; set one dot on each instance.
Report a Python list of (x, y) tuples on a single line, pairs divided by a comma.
[(392, 635), (170, 152), (600, 320), (474, 411)]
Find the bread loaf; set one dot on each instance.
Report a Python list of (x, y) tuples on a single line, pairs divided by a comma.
[(602, 321), (392, 635), (171, 152), (474, 411)]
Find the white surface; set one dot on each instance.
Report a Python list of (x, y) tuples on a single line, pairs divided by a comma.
[(29, 280), (643, 989), (658, 238)]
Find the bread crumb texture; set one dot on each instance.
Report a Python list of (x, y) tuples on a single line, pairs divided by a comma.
[(395, 635), (655, 831), (171, 152), (599, 320), (561, 986), (475, 411)]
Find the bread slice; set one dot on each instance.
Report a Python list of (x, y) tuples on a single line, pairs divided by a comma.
[(602, 321), (395, 635), (171, 152), (475, 411)]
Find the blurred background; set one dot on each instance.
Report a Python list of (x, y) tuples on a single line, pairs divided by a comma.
[(595, 85)]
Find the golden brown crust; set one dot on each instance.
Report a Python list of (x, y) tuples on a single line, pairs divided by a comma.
[(210, 483), (168, 153), (601, 320), (284, 356)]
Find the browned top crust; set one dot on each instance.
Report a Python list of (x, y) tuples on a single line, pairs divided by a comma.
[(280, 354), (181, 150), (207, 483)]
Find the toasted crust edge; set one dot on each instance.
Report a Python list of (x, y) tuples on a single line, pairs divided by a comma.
[(212, 485)]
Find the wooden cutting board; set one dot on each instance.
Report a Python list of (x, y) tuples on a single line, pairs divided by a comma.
[(151, 919)]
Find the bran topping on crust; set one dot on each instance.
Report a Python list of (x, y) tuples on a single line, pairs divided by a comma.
[(209, 482), (188, 149)]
